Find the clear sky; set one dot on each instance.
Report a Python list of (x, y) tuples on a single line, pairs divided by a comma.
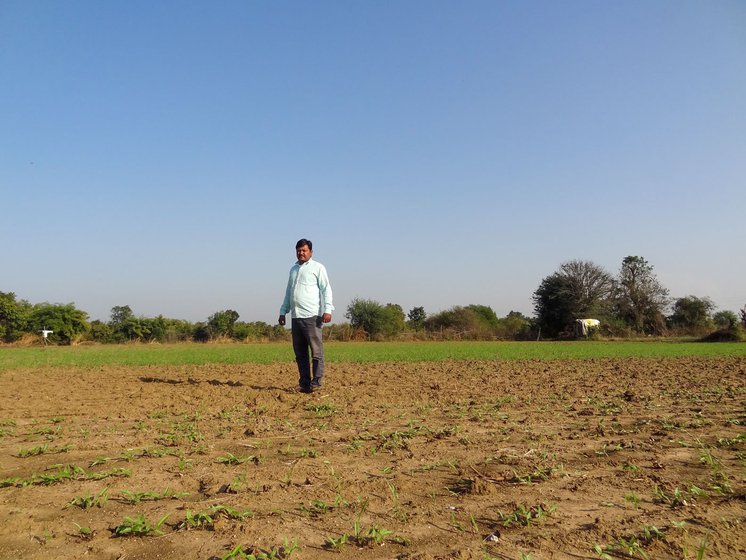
[(168, 155)]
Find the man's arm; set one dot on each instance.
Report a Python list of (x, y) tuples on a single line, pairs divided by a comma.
[(285, 307), (325, 291)]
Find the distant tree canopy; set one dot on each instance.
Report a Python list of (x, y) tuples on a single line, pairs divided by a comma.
[(68, 323), (725, 320), (630, 304), (582, 289), (376, 319), (579, 289), (692, 312), (221, 324), (14, 317), (416, 318), (479, 322), (640, 298)]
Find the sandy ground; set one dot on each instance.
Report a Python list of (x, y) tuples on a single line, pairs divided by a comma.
[(570, 459)]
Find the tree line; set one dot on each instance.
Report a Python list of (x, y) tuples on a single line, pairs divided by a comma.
[(630, 303), (20, 319)]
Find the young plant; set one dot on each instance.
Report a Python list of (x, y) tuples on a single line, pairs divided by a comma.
[(89, 501), (633, 499), (337, 544), (138, 527), (231, 459), (525, 516), (84, 533), (32, 451), (321, 409)]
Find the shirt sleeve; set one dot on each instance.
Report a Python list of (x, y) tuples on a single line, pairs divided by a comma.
[(325, 291), (285, 307)]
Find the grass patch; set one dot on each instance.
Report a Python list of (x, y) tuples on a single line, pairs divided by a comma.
[(359, 352)]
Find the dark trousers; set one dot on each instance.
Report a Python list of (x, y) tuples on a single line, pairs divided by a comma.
[(307, 333)]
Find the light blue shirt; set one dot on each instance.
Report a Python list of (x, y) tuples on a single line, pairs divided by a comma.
[(308, 293)]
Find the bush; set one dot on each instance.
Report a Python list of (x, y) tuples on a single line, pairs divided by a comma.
[(734, 334)]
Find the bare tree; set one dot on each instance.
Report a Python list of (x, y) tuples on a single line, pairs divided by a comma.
[(640, 298), (579, 289)]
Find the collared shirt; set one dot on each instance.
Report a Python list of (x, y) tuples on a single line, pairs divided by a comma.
[(308, 293)]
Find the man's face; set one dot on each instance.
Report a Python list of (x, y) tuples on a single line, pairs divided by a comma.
[(303, 253)]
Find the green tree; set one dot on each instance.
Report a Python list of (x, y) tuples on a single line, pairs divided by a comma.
[(101, 332), (416, 318), (692, 313), (456, 322), (221, 323), (578, 290), (639, 297), (590, 288), (14, 316), (553, 304), (68, 323), (120, 314), (486, 316), (725, 320), (394, 322), (516, 326), (376, 319), (125, 326)]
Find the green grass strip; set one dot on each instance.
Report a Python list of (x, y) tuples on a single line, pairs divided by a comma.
[(360, 352)]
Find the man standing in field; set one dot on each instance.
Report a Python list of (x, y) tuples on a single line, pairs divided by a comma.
[(308, 297)]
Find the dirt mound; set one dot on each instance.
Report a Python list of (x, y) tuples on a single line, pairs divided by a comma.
[(725, 335)]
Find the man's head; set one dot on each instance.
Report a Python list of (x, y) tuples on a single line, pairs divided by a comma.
[(304, 250)]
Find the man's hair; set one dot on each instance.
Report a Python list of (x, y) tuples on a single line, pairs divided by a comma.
[(302, 242)]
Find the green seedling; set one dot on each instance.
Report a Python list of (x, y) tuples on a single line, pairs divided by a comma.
[(64, 472), (231, 459), (137, 497), (633, 499), (674, 499), (90, 500), (373, 536), (276, 553), (631, 547), (138, 527), (99, 461), (316, 508), (197, 520), (539, 473), (85, 533), (702, 548), (337, 544), (732, 442), (32, 451), (525, 516), (206, 518), (321, 409), (602, 552)]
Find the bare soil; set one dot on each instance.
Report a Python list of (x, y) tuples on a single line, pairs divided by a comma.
[(561, 459)]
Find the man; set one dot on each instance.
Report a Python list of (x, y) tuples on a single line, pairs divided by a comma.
[(308, 297)]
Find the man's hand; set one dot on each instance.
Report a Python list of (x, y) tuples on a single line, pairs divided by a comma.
[(281, 320), (327, 317)]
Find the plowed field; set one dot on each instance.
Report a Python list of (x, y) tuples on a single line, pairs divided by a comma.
[(552, 459)]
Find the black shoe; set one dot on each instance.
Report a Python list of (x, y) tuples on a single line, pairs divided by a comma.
[(315, 387), (306, 390)]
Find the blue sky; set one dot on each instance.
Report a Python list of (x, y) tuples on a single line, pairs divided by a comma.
[(167, 155)]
